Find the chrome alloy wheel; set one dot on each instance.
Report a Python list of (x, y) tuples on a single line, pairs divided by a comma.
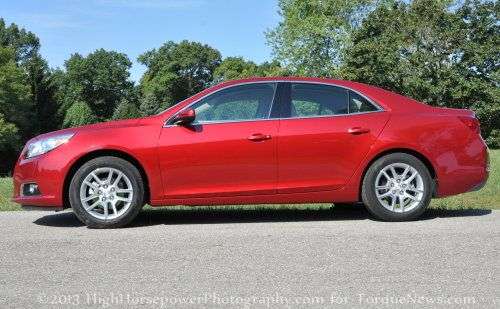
[(106, 193), (399, 187)]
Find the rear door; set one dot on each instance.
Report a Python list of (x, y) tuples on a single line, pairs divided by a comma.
[(325, 132)]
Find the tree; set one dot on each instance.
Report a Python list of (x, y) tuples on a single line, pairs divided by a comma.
[(79, 114), (176, 71), (237, 67), (313, 34), (150, 105), (26, 47), (433, 53), (15, 100), (126, 110), (100, 80)]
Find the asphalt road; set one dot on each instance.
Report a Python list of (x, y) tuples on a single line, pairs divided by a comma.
[(245, 260)]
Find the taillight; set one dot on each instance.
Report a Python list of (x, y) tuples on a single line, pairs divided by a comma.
[(472, 123)]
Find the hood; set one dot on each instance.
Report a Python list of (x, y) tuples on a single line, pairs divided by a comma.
[(95, 126)]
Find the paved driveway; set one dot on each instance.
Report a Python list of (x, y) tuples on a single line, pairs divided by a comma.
[(296, 259)]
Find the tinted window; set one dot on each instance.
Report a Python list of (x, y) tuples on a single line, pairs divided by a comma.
[(358, 104), (317, 100), (245, 102)]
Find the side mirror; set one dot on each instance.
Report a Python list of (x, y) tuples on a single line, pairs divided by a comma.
[(185, 117)]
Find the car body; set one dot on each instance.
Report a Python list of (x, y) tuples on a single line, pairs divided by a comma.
[(296, 153)]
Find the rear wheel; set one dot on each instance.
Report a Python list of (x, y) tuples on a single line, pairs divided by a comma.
[(106, 192), (397, 187)]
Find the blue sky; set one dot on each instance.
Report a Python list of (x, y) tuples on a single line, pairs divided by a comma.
[(234, 27)]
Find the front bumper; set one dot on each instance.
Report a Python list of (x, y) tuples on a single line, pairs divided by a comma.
[(47, 171)]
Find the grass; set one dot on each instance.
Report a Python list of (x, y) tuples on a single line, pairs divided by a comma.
[(486, 198)]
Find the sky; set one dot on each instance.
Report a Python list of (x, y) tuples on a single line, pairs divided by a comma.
[(234, 27)]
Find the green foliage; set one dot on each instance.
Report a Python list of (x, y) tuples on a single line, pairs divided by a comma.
[(433, 53), (150, 105), (176, 71), (15, 103), (100, 80), (314, 34), (237, 67), (126, 110), (494, 139), (8, 135), (79, 114), (24, 43)]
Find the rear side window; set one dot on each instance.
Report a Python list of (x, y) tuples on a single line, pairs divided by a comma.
[(358, 104), (309, 100)]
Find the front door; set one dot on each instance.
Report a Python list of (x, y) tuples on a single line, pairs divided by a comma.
[(229, 150)]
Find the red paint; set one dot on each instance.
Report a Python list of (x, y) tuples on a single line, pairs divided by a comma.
[(319, 159)]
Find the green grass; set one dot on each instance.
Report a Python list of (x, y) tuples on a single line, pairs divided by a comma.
[(486, 198)]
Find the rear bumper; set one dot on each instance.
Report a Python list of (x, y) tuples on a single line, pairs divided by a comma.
[(465, 173)]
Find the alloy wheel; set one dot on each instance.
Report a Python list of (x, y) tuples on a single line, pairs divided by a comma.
[(399, 187), (106, 193)]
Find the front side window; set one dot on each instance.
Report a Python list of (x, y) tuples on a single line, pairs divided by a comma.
[(244, 102), (309, 100)]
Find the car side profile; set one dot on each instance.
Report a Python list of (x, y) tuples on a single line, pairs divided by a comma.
[(258, 141)]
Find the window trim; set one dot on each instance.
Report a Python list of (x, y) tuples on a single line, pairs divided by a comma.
[(289, 101), (277, 95), (277, 84)]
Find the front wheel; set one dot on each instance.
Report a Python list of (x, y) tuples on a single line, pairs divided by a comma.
[(106, 192), (397, 187)]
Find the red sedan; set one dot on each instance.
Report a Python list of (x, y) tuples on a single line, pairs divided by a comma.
[(255, 141)]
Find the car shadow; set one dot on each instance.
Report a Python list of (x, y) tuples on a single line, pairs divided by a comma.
[(150, 217)]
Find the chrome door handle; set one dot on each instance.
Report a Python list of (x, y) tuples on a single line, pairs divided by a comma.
[(257, 137), (358, 130)]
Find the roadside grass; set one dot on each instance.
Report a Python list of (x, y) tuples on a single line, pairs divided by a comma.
[(486, 198)]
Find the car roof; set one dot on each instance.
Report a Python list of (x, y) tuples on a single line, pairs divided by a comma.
[(387, 99)]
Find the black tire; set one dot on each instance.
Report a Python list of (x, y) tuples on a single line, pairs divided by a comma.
[(119, 164), (369, 197)]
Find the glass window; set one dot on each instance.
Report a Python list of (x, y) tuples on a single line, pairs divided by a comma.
[(309, 100), (245, 102), (358, 104)]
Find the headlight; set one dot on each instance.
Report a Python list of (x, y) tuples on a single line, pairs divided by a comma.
[(45, 145)]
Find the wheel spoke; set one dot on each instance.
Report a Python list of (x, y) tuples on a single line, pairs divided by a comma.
[(393, 202), (90, 198), (124, 190), (93, 206), (413, 175), (385, 194), (124, 199), (415, 190), (98, 180), (393, 171), (118, 178), (106, 210), (93, 186), (407, 169), (386, 175), (113, 205), (110, 176)]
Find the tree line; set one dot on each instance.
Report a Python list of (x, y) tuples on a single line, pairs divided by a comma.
[(443, 53)]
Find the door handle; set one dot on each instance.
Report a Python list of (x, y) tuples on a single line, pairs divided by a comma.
[(358, 130), (257, 137)]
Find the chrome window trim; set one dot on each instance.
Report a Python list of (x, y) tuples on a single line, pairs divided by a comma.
[(379, 108)]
